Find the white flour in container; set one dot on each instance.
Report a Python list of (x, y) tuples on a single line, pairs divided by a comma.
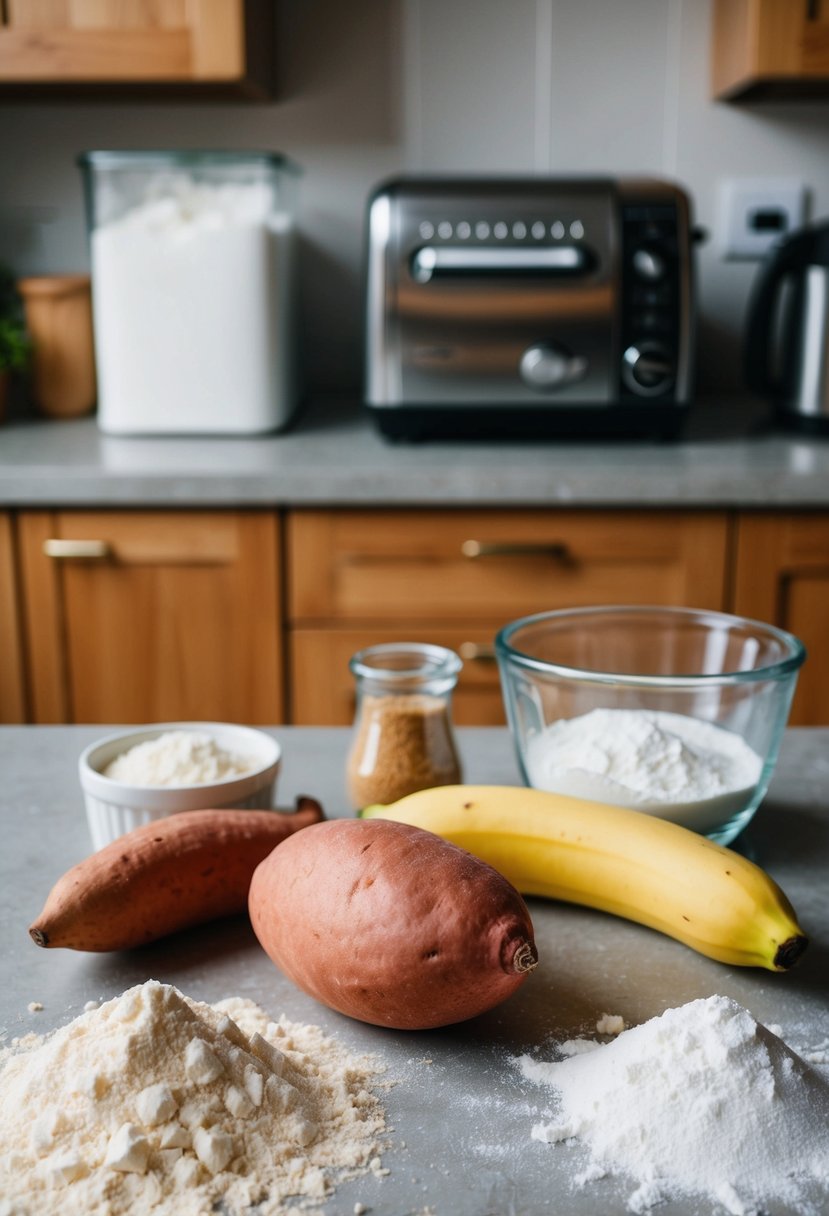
[(702, 1101), (191, 297), (178, 757), (157, 1103), (677, 767)]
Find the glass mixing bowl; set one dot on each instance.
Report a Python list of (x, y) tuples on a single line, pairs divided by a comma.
[(676, 712)]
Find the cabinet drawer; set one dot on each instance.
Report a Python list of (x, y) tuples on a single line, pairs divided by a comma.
[(322, 687), (490, 566)]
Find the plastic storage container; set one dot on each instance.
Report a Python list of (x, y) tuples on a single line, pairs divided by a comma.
[(403, 739), (192, 257)]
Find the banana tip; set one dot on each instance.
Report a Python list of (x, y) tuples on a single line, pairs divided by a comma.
[(38, 936), (789, 951)]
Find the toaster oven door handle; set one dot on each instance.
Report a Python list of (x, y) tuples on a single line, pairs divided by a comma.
[(430, 262), (557, 550)]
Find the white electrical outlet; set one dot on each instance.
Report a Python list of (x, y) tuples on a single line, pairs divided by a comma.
[(756, 212)]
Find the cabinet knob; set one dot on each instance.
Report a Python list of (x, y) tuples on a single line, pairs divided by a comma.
[(477, 652), (77, 550)]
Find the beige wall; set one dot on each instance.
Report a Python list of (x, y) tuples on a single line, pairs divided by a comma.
[(374, 87)]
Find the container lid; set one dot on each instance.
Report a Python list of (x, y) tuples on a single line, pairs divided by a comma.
[(53, 284), (191, 157)]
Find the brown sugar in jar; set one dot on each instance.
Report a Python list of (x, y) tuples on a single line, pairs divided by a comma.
[(403, 739)]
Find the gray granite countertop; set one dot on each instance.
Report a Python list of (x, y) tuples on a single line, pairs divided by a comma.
[(333, 457), (460, 1111)]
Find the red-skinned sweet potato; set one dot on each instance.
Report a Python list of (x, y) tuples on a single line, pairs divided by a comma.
[(391, 924), (164, 876)]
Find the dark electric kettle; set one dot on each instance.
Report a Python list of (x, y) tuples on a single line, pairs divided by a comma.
[(793, 371)]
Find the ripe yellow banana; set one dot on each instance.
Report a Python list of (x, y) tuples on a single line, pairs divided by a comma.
[(621, 861)]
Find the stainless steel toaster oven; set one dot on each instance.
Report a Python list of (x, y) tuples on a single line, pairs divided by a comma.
[(531, 306)]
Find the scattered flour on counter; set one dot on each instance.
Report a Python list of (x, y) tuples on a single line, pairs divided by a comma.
[(819, 1054), (158, 1103), (671, 765), (610, 1023), (178, 757), (699, 1101)]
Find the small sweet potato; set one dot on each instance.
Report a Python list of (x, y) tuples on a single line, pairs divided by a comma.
[(391, 924), (164, 876)]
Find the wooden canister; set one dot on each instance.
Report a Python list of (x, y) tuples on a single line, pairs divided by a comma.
[(59, 320)]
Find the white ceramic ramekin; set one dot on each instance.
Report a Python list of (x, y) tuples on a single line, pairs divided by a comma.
[(113, 808)]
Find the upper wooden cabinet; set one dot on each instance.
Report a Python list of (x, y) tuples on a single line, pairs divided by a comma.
[(225, 44), (782, 576), (152, 616), (770, 49)]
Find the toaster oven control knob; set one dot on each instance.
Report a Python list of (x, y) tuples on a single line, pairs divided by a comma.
[(546, 367), (649, 265), (648, 369)]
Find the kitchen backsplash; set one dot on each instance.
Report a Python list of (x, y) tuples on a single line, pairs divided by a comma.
[(375, 87)]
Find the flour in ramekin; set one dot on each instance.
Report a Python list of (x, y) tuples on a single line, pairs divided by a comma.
[(177, 757)]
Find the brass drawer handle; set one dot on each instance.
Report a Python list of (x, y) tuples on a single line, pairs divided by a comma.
[(79, 550), (477, 652), (555, 549)]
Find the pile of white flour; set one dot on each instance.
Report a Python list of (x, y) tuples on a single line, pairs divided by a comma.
[(157, 1103), (677, 767), (177, 757), (702, 1101)]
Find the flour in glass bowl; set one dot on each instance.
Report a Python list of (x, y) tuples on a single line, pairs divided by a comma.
[(693, 772)]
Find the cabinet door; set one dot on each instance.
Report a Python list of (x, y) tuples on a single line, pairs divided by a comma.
[(770, 48), (152, 616), (12, 698), (782, 576), (109, 41)]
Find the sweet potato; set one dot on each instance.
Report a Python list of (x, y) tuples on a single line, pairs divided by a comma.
[(164, 876), (391, 924)]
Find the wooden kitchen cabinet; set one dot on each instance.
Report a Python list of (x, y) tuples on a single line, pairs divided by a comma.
[(782, 576), (455, 577), (152, 616), (770, 49), (221, 43), (12, 687)]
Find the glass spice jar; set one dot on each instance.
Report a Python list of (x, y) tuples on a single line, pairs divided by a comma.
[(403, 739)]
